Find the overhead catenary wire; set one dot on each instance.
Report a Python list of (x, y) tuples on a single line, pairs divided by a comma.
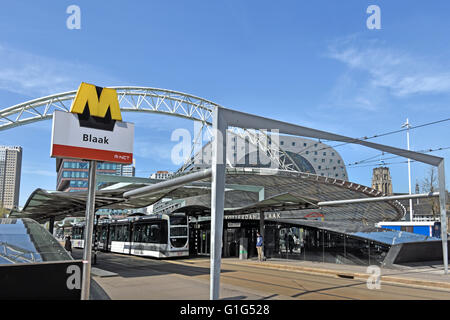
[(357, 164), (375, 136), (352, 165), (369, 160)]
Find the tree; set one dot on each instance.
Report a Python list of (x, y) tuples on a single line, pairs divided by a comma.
[(4, 212), (430, 184)]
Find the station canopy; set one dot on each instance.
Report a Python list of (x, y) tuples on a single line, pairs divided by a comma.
[(247, 190)]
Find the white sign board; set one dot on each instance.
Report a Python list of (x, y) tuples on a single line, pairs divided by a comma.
[(70, 140)]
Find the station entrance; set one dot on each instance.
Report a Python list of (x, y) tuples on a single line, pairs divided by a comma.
[(235, 234), (284, 240)]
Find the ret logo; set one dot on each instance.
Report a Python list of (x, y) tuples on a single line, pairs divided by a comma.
[(97, 108)]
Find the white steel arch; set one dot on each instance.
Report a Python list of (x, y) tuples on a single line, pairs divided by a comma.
[(132, 99)]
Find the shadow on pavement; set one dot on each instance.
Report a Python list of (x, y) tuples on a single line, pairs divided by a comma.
[(97, 292), (131, 267), (235, 298)]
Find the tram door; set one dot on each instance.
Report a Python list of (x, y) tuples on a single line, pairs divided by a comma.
[(204, 241), (231, 242), (103, 241), (112, 231)]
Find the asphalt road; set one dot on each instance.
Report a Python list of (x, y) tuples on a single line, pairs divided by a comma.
[(146, 278)]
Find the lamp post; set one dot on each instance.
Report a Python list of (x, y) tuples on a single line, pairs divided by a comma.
[(408, 126)]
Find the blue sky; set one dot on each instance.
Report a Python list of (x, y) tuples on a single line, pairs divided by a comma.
[(314, 63)]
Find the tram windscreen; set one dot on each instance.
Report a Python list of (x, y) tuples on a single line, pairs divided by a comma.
[(178, 232), (178, 220), (178, 242)]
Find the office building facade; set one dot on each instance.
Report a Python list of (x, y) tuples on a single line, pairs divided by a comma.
[(161, 175), (73, 175)]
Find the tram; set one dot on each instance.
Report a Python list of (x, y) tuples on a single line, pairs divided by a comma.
[(426, 228), (159, 236)]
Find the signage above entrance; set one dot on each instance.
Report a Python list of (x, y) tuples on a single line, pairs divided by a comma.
[(93, 129)]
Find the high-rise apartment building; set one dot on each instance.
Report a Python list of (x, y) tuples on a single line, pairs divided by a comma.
[(10, 170)]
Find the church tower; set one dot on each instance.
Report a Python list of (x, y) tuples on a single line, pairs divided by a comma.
[(381, 180)]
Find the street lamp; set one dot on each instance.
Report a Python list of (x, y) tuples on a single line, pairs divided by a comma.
[(408, 126)]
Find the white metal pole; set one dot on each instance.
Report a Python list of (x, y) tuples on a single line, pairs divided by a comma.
[(88, 231), (443, 203), (217, 200), (407, 125)]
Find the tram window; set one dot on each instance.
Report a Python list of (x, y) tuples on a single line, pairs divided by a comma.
[(145, 233), (104, 232), (119, 233), (122, 233), (155, 233), (137, 233), (112, 232), (126, 233)]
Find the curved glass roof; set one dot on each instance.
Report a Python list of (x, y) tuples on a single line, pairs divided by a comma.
[(393, 237), (303, 164), (247, 189), (364, 231), (26, 241)]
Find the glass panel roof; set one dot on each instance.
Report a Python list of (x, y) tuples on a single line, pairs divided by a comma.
[(360, 230), (310, 187), (25, 241), (394, 237)]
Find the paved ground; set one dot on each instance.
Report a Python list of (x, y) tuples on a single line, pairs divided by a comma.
[(145, 278)]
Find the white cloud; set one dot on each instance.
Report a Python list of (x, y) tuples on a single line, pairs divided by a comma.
[(29, 74), (401, 73)]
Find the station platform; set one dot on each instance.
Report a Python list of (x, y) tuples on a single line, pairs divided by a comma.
[(429, 274), (129, 277)]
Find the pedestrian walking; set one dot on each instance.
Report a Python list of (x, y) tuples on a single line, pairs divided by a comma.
[(259, 246), (68, 245)]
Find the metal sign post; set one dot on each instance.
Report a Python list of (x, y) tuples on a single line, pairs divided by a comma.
[(102, 136), (217, 201), (90, 212)]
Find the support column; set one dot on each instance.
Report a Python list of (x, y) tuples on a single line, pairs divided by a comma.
[(443, 202), (88, 230), (96, 239), (217, 199), (261, 230)]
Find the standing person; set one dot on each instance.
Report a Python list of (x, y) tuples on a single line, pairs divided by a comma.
[(259, 245), (291, 242), (68, 245)]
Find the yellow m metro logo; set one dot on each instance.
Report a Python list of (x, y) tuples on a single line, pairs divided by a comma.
[(98, 100)]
